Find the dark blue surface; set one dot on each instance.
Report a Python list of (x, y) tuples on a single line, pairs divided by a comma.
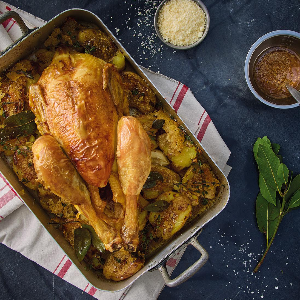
[(215, 73)]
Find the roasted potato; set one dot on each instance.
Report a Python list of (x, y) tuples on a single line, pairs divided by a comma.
[(169, 179), (122, 264), (14, 87), (97, 43), (138, 93), (199, 182), (173, 143), (166, 223), (24, 168), (56, 206)]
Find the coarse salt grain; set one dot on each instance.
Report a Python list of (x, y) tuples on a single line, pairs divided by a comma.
[(181, 22)]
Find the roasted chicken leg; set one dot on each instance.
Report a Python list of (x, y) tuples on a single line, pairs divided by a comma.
[(58, 174), (134, 165), (69, 102)]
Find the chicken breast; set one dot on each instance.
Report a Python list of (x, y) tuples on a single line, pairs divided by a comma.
[(70, 103)]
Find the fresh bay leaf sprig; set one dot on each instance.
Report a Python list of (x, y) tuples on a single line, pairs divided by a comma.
[(279, 190)]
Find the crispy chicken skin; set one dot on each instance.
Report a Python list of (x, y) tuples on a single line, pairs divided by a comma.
[(58, 174), (70, 103), (134, 165)]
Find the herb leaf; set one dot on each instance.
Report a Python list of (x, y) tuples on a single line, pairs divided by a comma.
[(82, 242), (97, 243), (159, 205), (276, 148), (272, 174), (294, 186), (279, 192), (152, 179), (295, 200), (283, 173), (267, 216), (17, 125)]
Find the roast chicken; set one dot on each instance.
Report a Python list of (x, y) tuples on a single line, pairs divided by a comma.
[(70, 103), (57, 173), (77, 102)]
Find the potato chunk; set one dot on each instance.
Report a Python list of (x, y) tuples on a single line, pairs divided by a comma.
[(121, 265), (173, 144), (199, 182), (170, 178), (171, 220), (138, 93), (24, 168), (97, 43)]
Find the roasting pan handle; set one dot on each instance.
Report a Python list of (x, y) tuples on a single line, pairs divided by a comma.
[(14, 15), (188, 272)]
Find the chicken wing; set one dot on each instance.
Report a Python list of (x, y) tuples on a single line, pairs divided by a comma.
[(58, 174), (134, 165), (69, 102)]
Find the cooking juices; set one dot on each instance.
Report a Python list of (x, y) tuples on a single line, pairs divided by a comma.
[(274, 68)]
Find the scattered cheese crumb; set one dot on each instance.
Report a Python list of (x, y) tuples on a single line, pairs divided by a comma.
[(181, 22)]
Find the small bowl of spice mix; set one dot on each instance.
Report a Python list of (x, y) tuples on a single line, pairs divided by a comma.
[(273, 62), (181, 24)]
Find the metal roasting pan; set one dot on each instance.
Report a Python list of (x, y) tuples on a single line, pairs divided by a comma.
[(31, 40)]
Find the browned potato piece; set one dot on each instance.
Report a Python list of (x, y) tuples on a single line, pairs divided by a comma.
[(147, 121), (9, 147), (199, 182), (121, 265), (166, 223), (138, 93), (173, 143), (44, 58), (54, 39), (68, 228), (57, 206), (97, 43), (169, 179), (14, 87), (24, 168), (119, 61)]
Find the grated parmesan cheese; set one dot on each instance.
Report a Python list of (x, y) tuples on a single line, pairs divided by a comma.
[(181, 22)]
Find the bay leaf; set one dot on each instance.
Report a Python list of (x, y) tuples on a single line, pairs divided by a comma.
[(261, 141), (294, 186), (157, 206), (267, 216), (267, 191), (21, 124), (276, 148), (268, 165), (295, 200), (283, 173), (152, 179)]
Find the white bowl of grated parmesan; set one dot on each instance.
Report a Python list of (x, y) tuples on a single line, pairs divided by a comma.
[(181, 24)]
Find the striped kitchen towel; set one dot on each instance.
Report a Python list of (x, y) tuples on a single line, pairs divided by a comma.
[(22, 232)]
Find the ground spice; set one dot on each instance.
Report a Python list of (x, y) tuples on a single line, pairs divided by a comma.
[(275, 68), (181, 22)]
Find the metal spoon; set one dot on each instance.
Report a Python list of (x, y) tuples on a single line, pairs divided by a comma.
[(294, 93)]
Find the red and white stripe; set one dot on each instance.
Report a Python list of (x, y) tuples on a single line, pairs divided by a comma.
[(202, 125), (63, 267), (91, 290), (178, 96), (9, 200)]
